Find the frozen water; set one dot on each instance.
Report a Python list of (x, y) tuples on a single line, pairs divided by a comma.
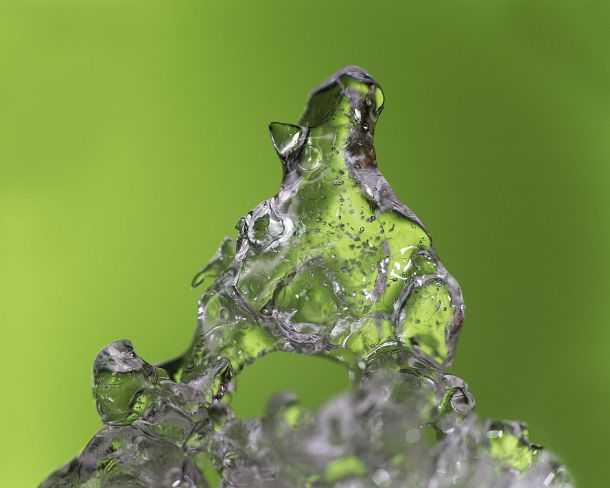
[(333, 265)]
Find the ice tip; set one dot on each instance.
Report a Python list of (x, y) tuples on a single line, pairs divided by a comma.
[(287, 139), (350, 72), (352, 83)]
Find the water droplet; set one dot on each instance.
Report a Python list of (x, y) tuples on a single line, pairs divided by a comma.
[(310, 158)]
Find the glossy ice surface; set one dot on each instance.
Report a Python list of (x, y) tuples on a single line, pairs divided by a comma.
[(333, 265)]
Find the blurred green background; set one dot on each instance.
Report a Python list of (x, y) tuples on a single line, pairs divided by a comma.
[(133, 135)]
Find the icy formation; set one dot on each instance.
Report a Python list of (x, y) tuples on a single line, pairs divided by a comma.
[(333, 265)]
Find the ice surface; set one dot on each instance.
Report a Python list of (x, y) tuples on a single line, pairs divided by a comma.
[(333, 265)]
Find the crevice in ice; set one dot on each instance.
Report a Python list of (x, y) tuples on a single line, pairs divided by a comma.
[(314, 380)]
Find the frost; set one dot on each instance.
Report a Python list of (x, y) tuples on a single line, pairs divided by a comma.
[(333, 265)]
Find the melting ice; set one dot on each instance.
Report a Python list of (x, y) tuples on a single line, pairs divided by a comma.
[(333, 265)]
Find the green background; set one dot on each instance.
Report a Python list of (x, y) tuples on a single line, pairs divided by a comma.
[(133, 135)]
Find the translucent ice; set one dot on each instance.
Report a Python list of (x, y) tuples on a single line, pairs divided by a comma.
[(333, 265)]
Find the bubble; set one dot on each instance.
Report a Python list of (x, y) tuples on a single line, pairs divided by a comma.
[(382, 479)]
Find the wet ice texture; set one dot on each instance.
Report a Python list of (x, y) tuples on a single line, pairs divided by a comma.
[(333, 265)]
